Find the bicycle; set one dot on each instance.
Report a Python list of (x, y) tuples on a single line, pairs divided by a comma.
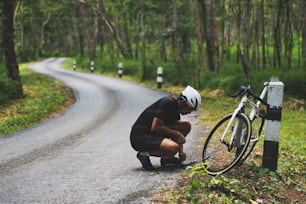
[(234, 137)]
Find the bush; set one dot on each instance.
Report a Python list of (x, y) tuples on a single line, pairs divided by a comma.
[(7, 89)]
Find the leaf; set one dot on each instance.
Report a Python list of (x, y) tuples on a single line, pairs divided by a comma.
[(289, 182), (263, 171)]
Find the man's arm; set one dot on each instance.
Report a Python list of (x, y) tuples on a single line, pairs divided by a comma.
[(158, 126)]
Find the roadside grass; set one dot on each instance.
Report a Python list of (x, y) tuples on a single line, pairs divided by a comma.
[(250, 183), (43, 98)]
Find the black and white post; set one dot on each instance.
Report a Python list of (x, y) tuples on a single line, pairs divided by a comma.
[(273, 119), (92, 66), (120, 69), (74, 65), (159, 79)]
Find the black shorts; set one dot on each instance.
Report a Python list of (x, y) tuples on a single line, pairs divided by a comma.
[(145, 142)]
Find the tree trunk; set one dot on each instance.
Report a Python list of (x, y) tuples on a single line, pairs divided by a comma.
[(288, 36), (163, 50), (8, 46), (263, 39), (42, 32), (96, 32), (127, 36), (201, 53), (238, 25), (137, 35), (81, 37), (246, 34), (255, 38), (175, 47), (277, 36), (115, 34), (215, 36), (209, 42), (304, 34), (143, 47)]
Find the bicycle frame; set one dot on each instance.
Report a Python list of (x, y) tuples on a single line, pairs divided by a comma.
[(241, 105), (255, 107), (236, 135)]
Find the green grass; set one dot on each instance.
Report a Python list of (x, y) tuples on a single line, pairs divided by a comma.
[(43, 97)]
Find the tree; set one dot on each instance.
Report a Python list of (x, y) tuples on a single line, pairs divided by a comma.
[(207, 35), (263, 38), (304, 33), (244, 53), (197, 16), (215, 35), (114, 32), (185, 35), (8, 7), (288, 35), (143, 40), (277, 35)]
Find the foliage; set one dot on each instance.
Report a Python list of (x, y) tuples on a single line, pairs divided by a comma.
[(43, 98), (229, 79), (104, 30), (249, 183)]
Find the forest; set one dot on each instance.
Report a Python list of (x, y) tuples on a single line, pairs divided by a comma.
[(193, 40)]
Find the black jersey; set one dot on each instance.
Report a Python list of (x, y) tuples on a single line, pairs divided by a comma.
[(165, 109)]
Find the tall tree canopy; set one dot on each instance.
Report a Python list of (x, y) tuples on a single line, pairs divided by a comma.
[(201, 35)]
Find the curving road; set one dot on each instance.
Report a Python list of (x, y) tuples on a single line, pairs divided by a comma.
[(83, 156)]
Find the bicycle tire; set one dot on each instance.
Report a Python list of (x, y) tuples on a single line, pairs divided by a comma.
[(257, 126), (216, 154)]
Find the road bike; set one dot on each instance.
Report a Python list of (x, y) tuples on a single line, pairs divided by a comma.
[(234, 137)]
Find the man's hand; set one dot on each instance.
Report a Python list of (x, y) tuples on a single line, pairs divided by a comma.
[(158, 126), (182, 156), (179, 137)]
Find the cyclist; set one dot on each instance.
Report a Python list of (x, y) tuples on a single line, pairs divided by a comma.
[(158, 131)]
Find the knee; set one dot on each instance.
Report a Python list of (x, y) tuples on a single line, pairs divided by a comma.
[(169, 147), (173, 148)]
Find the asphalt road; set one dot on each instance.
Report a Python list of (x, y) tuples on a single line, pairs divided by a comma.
[(83, 156)]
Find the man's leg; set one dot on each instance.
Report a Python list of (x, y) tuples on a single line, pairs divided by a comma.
[(167, 151), (168, 148)]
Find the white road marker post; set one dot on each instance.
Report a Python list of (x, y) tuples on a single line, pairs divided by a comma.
[(120, 69), (159, 79), (92, 66), (273, 119), (74, 65)]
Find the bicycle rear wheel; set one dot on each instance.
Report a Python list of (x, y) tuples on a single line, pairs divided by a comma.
[(257, 126), (218, 155)]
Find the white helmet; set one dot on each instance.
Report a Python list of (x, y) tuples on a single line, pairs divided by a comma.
[(192, 96)]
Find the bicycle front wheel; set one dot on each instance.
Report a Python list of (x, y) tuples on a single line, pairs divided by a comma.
[(221, 156)]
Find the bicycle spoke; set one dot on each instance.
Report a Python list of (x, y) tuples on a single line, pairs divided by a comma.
[(216, 153), (257, 125)]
